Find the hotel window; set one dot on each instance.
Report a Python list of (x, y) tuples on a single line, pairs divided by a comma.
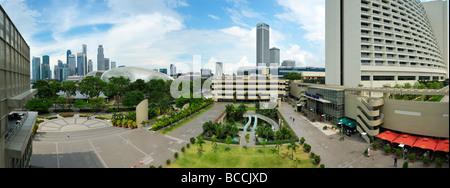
[(365, 78), (406, 78), (383, 78)]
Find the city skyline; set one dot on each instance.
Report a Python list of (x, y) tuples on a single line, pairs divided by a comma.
[(164, 32)]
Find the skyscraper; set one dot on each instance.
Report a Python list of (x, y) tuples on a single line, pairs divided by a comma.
[(113, 64), (84, 46), (90, 66), (262, 45), (106, 64), (67, 56), (45, 68), (219, 69), (80, 64), (275, 57), (72, 64), (375, 43), (173, 70), (100, 58), (36, 70)]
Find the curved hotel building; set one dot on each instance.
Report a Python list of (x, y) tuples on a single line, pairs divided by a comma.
[(377, 42)]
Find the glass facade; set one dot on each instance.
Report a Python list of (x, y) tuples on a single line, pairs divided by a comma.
[(328, 102), (14, 79)]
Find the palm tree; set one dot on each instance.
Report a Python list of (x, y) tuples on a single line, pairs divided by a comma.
[(208, 128), (218, 130), (278, 145), (294, 148)]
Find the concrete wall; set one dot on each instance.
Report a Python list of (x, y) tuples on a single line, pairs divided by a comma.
[(142, 112), (351, 104), (415, 117), (332, 42)]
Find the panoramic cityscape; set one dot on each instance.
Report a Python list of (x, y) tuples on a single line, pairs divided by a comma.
[(224, 84)]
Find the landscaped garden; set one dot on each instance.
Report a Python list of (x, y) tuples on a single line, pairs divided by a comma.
[(225, 156)]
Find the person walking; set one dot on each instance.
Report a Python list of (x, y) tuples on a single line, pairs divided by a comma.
[(395, 162)]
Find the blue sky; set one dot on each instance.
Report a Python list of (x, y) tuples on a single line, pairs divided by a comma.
[(157, 33)]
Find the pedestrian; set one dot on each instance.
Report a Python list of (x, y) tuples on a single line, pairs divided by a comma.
[(290, 117), (68, 135), (395, 162), (293, 119), (368, 152)]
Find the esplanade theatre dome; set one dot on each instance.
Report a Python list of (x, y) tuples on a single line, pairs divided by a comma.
[(134, 74)]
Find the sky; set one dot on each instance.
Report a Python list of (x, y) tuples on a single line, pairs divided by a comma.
[(156, 33)]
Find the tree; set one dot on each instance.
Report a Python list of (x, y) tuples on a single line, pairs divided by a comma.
[(247, 137), (47, 89), (133, 98), (228, 142), (91, 87), (139, 85), (40, 105), (293, 76), (208, 128), (69, 88), (97, 103), (294, 148), (117, 87)]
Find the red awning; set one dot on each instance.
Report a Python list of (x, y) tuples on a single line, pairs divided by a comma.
[(426, 143), (388, 135), (442, 145), (406, 140)]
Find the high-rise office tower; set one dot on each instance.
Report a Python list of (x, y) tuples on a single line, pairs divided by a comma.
[(113, 64), (219, 69), (373, 42), (275, 57), (45, 68), (36, 68), (100, 58), (173, 70), (84, 46), (106, 64), (72, 65), (67, 56), (80, 64), (262, 45), (90, 66)]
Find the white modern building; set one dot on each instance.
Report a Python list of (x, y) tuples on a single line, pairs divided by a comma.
[(377, 42)]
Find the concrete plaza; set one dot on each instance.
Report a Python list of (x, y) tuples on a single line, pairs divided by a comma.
[(99, 145)]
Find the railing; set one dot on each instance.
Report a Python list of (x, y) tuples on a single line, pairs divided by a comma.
[(18, 125)]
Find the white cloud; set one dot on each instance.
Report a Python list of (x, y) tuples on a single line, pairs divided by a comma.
[(310, 14), (213, 17), (19, 12), (301, 57)]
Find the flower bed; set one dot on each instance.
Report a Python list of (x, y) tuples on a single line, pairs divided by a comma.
[(68, 114)]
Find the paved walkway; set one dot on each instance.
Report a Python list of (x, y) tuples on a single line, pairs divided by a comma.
[(113, 147), (340, 154), (70, 124), (103, 146)]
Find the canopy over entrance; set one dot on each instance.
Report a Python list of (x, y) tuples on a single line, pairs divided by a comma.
[(348, 122), (388, 135)]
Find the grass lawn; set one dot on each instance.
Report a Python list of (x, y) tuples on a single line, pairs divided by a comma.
[(239, 157)]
